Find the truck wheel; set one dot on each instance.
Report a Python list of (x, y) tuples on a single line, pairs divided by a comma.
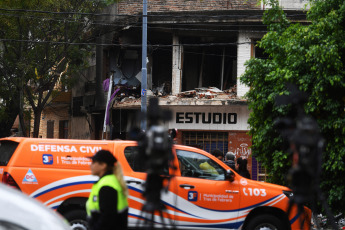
[(265, 222), (77, 219)]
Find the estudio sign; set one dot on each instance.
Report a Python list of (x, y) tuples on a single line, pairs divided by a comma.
[(210, 118)]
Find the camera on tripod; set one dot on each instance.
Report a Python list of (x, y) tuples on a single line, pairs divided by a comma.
[(304, 143), (155, 144), (155, 152)]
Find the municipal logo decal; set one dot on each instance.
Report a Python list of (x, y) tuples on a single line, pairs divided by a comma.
[(192, 196), (29, 178), (243, 182), (47, 159)]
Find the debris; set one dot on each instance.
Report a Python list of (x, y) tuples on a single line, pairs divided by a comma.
[(209, 93), (162, 90), (189, 93), (214, 90)]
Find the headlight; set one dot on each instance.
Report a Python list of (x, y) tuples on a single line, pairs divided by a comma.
[(289, 194)]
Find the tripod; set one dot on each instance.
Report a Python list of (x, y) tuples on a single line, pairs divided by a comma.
[(153, 204)]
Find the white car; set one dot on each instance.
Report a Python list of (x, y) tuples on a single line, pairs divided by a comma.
[(20, 212)]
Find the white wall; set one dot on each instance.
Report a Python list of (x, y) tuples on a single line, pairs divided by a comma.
[(243, 54), (289, 4)]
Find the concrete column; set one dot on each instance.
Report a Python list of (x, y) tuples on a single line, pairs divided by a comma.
[(243, 54), (177, 66)]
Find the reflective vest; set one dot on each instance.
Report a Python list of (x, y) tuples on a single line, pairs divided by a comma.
[(92, 204)]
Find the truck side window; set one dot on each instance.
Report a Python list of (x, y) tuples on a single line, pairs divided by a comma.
[(196, 165), (7, 149), (136, 161)]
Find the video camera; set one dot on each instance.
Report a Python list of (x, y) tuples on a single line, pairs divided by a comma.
[(155, 151), (305, 143)]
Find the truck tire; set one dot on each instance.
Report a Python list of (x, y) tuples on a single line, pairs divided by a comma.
[(77, 219), (265, 222)]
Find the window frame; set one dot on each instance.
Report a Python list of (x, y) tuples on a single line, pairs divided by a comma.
[(199, 172)]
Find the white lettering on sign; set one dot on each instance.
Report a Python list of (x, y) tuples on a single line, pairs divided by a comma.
[(217, 197), (64, 148), (81, 161), (254, 192), (89, 149), (206, 118), (210, 117)]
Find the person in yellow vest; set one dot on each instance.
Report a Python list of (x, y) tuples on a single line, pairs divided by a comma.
[(107, 206)]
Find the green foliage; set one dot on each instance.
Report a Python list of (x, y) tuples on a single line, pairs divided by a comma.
[(43, 44), (311, 56)]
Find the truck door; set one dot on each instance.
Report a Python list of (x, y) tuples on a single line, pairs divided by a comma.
[(205, 199), (135, 177)]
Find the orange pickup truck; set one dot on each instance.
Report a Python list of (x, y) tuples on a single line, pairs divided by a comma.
[(56, 172)]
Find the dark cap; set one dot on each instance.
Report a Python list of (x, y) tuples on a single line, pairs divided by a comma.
[(217, 153), (104, 156)]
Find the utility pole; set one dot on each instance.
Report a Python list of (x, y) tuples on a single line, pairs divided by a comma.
[(143, 68)]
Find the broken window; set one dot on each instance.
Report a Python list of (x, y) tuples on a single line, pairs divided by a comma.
[(258, 52), (206, 64), (161, 71)]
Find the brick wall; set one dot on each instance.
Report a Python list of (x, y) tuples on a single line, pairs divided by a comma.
[(53, 114), (136, 6)]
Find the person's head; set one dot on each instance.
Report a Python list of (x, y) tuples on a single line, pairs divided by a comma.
[(217, 153), (241, 164), (102, 162), (229, 156)]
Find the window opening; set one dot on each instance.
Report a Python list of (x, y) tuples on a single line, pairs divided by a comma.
[(136, 163), (208, 66), (199, 166), (63, 129), (207, 141), (258, 52), (258, 171), (50, 129)]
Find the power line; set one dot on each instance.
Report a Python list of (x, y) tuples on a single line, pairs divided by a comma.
[(158, 27), (61, 13), (112, 24), (135, 24), (127, 45), (162, 26)]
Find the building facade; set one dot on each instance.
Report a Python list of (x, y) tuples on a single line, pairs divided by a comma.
[(196, 53)]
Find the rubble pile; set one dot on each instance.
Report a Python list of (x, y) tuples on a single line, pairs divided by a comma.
[(210, 93), (131, 95)]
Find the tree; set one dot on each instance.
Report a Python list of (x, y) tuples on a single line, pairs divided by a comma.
[(311, 56), (39, 48)]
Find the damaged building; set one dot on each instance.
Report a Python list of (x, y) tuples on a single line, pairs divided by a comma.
[(196, 52)]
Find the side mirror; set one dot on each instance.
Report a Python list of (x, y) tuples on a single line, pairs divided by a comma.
[(229, 175)]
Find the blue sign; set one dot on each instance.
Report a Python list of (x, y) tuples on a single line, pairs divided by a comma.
[(192, 196), (47, 159), (143, 92)]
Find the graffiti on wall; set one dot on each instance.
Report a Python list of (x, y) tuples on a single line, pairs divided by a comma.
[(242, 150)]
